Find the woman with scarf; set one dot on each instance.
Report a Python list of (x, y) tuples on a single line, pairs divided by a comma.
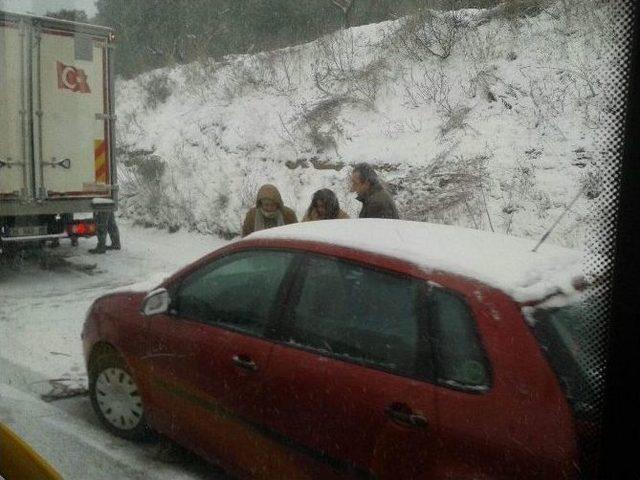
[(269, 212)]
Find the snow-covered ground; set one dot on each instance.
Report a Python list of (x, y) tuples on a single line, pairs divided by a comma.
[(41, 315)]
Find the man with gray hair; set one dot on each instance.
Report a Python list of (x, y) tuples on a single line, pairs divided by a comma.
[(376, 201)]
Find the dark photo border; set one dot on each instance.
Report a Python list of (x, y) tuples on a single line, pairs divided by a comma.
[(621, 428)]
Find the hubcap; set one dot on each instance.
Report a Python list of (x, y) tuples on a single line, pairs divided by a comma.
[(118, 398)]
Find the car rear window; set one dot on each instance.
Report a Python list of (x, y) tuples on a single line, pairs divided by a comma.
[(460, 359), (563, 334)]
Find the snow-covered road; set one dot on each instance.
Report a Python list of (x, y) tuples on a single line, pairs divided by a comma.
[(42, 307)]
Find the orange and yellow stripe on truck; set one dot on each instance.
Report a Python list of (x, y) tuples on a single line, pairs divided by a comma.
[(100, 155)]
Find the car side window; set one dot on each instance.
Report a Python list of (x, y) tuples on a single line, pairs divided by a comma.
[(359, 314), (459, 356), (238, 291)]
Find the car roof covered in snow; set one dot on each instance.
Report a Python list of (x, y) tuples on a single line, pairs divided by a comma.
[(501, 261)]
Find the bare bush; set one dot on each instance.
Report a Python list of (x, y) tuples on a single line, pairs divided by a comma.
[(237, 80), (279, 71), (433, 87), (259, 71), (584, 72), (587, 78), (201, 78), (482, 43), (446, 191), (366, 82), (542, 203), (129, 122), (158, 87), (337, 55), (519, 190), (141, 179), (428, 34), (455, 119), (481, 81), (338, 71), (286, 135), (362, 84), (548, 95), (182, 206), (241, 77), (321, 120), (286, 71), (591, 16), (429, 87), (145, 166)]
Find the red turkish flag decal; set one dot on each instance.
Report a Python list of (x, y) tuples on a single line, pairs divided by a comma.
[(72, 78)]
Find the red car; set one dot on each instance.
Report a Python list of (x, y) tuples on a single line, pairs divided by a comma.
[(355, 349)]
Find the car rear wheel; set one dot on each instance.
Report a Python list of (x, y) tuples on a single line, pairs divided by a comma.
[(115, 397)]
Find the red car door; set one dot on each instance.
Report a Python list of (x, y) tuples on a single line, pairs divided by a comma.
[(500, 414), (341, 377), (418, 452), (211, 355)]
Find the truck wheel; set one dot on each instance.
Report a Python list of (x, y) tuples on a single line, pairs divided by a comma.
[(115, 397)]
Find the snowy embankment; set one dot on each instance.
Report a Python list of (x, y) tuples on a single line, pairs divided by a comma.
[(480, 118)]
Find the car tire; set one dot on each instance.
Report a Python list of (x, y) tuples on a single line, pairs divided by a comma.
[(116, 399)]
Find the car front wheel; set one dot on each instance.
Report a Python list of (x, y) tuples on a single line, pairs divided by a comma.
[(115, 397)]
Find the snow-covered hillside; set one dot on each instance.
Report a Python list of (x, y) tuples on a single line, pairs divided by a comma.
[(482, 118)]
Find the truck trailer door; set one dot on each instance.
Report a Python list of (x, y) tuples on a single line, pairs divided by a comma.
[(71, 112), (14, 165)]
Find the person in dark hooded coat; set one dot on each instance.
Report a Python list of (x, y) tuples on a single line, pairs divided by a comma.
[(269, 212)]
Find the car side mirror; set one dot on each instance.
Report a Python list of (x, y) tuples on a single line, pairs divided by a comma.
[(157, 301)]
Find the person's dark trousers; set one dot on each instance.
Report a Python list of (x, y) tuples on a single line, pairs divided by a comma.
[(106, 224), (114, 233)]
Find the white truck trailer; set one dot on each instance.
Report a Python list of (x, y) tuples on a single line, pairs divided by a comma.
[(56, 128)]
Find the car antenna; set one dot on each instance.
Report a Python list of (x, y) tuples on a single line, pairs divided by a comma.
[(548, 232)]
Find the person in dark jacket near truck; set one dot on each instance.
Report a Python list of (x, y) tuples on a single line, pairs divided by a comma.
[(269, 212), (376, 201)]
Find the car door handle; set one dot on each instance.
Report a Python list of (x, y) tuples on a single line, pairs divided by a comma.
[(245, 362), (403, 415)]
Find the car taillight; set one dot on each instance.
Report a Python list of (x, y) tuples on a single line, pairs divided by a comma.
[(82, 229)]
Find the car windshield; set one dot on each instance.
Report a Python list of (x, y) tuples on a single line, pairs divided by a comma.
[(563, 333)]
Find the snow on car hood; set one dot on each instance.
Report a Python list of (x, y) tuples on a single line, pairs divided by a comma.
[(501, 261), (152, 282)]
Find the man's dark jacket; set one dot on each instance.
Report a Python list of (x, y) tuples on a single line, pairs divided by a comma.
[(377, 203)]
